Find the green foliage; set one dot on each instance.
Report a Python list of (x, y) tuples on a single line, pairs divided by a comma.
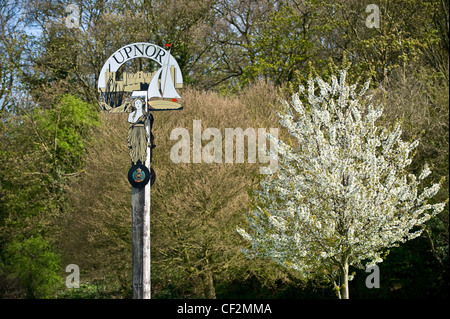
[(95, 231), (96, 290), (63, 128), (34, 261), (318, 32), (43, 148), (284, 46), (12, 40)]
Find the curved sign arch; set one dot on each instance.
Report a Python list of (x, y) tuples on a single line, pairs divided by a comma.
[(139, 50)]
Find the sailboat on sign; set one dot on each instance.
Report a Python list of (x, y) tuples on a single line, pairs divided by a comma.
[(161, 93)]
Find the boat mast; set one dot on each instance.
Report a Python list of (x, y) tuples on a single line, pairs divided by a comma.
[(167, 68)]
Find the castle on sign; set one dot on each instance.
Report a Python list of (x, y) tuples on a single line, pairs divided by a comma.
[(138, 81)]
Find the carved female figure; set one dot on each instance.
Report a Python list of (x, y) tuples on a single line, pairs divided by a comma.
[(137, 133)]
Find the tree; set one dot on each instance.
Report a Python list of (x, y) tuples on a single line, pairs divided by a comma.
[(37, 266), (421, 101), (12, 39), (285, 45), (95, 231), (42, 149), (410, 32), (342, 194), (224, 42), (197, 206)]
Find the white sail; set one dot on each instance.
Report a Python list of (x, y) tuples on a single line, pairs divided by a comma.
[(153, 87), (167, 88)]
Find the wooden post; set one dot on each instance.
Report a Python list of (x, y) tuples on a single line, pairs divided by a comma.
[(146, 226), (140, 202)]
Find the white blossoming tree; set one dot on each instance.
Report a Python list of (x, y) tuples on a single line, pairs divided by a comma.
[(342, 194)]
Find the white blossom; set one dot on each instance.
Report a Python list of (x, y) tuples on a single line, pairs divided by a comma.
[(343, 194)]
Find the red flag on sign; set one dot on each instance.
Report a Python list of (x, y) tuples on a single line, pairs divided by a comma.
[(168, 45)]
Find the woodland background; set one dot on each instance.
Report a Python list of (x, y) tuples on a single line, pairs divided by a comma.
[(64, 194)]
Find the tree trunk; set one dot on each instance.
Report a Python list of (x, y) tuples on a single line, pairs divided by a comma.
[(208, 282), (344, 282)]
